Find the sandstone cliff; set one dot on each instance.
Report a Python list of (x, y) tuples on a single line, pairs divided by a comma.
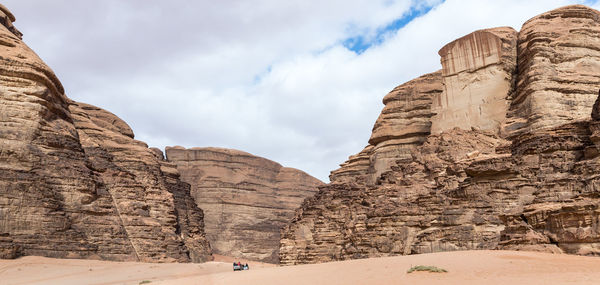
[(477, 74), (558, 63), (403, 124), (246, 199), (507, 157), (73, 181)]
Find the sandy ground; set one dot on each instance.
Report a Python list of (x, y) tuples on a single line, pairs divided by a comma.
[(465, 267)]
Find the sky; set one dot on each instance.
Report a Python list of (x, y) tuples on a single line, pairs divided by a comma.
[(300, 82)]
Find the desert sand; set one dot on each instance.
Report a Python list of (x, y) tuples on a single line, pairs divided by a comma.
[(464, 267)]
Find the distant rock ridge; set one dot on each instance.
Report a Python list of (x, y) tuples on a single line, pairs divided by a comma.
[(73, 181), (246, 199), (498, 150)]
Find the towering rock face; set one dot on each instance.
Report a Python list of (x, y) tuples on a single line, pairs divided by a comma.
[(554, 140), (524, 177), (477, 72), (559, 69), (246, 199), (73, 181)]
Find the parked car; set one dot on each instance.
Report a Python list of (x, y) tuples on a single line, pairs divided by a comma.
[(237, 266)]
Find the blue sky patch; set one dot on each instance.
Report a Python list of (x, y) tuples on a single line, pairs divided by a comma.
[(360, 43)]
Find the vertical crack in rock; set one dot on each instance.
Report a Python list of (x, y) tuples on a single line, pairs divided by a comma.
[(127, 234)]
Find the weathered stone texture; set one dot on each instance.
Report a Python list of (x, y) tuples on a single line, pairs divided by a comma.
[(528, 183), (355, 168), (73, 181), (417, 207), (246, 199), (477, 72), (559, 69)]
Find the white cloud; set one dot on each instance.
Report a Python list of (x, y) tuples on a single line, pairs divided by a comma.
[(268, 77)]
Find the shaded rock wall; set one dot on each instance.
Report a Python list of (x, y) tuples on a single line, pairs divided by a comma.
[(246, 199), (528, 183), (73, 181)]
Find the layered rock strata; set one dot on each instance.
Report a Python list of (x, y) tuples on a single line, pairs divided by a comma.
[(404, 123), (559, 70), (246, 199), (73, 181), (527, 181)]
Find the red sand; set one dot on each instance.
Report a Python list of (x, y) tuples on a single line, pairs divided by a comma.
[(465, 267)]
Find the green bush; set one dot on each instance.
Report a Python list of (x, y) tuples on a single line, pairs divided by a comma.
[(426, 268)]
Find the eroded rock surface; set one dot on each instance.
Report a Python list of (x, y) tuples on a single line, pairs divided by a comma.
[(404, 123), (477, 73), (529, 181), (73, 181), (246, 199), (559, 69)]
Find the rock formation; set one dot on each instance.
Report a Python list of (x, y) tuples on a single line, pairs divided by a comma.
[(73, 181), (558, 61), (477, 74), (507, 154), (403, 124), (246, 199)]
